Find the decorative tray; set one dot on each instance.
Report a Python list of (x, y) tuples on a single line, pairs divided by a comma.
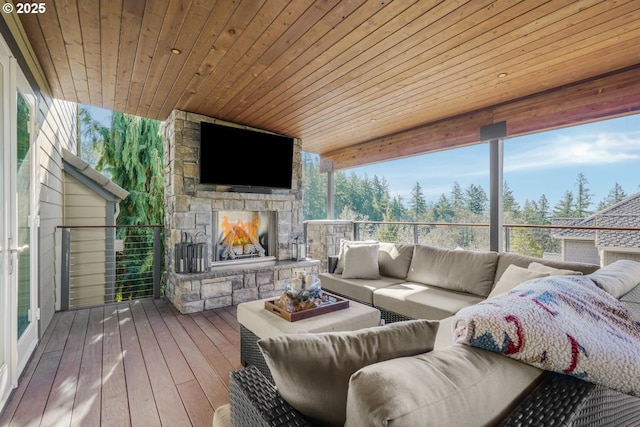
[(327, 304)]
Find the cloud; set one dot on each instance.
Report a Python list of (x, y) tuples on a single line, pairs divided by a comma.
[(572, 150)]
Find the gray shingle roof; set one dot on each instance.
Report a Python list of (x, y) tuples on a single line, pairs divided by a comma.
[(101, 181), (625, 213)]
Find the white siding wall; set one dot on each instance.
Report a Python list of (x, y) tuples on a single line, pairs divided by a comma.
[(581, 251), (58, 121), (83, 206), (609, 256)]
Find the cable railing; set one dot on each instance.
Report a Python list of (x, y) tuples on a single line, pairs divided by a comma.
[(526, 239), (108, 264)]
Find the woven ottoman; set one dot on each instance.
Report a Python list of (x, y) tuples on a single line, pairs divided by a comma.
[(256, 322)]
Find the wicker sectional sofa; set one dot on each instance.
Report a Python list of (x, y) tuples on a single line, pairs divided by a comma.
[(424, 282), (453, 385)]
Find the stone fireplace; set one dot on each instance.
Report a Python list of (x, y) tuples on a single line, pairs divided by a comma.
[(238, 270)]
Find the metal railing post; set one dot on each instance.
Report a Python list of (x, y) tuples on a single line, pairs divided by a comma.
[(507, 239), (65, 269), (157, 261), (415, 234)]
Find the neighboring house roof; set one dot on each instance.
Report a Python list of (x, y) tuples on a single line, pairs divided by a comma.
[(572, 233), (625, 213), (102, 185)]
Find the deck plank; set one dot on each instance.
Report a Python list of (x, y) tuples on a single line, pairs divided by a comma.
[(86, 406), (178, 366), (167, 398), (229, 331), (29, 370), (60, 404), (33, 402), (200, 412), (226, 347), (216, 359), (213, 387), (142, 406), (115, 404), (129, 364)]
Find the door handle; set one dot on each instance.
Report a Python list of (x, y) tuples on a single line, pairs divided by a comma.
[(13, 251)]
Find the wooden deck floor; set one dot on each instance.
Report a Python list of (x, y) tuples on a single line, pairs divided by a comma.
[(131, 364)]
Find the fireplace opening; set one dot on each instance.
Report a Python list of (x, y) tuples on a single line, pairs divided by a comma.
[(244, 236)]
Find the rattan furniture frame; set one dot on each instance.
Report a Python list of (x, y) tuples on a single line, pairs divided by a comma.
[(558, 400)]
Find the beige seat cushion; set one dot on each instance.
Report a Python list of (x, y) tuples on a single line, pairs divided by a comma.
[(464, 271), (357, 289), (420, 301), (312, 371), (458, 386)]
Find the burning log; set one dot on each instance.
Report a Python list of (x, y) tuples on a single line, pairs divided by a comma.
[(238, 237)]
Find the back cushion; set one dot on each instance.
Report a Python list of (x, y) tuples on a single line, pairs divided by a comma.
[(508, 258), (464, 271), (394, 259)]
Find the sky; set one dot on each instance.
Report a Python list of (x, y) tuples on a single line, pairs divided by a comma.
[(546, 163)]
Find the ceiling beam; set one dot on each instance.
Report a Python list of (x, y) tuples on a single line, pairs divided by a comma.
[(612, 95)]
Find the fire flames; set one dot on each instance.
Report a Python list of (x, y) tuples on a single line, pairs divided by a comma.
[(241, 238), (241, 232)]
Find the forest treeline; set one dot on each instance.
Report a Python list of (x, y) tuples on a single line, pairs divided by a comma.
[(369, 199)]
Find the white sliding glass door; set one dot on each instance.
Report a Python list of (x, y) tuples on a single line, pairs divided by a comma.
[(18, 237), (5, 312)]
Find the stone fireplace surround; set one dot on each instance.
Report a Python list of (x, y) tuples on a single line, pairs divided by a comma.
[(190, 207)]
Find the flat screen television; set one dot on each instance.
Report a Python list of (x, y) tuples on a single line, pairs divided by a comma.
[(243, 159)]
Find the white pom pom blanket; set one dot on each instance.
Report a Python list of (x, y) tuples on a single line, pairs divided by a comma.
[(564, 324)]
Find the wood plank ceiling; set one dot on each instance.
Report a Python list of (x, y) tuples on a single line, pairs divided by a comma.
[(334, 73)]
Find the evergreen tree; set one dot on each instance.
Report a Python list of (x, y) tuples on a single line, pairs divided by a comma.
[(509, 204), (314, 189), (131, 153), (380, 198), (476, 199), (565, 207), (389, 232), (457, 199), (544, 209), (398, 210), (615, 195), (90, 134), (417, 204), (583, 197), (443, 211)]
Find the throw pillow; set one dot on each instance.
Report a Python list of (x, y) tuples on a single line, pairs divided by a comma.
[(617, 278), (512, 277), (564, 324), (312, 371), (536, 266), (361, 262), (344, 246)]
